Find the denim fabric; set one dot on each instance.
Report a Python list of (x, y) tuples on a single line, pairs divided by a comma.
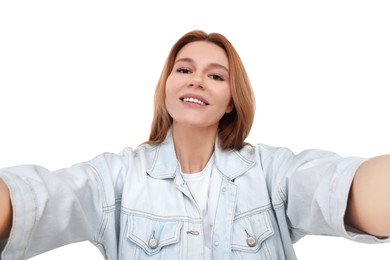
[(136, 205)]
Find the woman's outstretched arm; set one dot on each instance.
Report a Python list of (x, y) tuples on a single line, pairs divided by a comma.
[(5, 211), (369, 200)]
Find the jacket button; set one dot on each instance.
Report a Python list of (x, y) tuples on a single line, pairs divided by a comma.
[(251, 241), (153, 243)]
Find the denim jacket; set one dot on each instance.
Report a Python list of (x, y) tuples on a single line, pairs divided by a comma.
[(136, 205)]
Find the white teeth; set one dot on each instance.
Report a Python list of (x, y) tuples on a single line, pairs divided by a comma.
[(194, 100)]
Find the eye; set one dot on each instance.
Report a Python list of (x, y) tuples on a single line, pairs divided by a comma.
[(216, 77), (183, 70)]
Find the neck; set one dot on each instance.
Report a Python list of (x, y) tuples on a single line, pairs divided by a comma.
[(193, 146)]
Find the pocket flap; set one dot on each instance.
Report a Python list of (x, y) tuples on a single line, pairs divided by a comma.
[(249, 232), (153, 234)]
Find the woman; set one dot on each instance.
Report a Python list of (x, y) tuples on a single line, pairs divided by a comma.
[(195, 190)]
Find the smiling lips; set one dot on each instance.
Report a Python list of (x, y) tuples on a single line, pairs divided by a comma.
[(194, 99)]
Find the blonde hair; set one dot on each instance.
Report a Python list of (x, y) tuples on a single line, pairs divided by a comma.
[(235, 126)]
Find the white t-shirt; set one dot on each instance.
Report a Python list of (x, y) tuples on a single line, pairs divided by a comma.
[(199, 185)]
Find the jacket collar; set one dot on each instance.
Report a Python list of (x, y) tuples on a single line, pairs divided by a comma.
[(163, 163)]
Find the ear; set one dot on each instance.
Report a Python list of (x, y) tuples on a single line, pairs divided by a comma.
[(230, 107)]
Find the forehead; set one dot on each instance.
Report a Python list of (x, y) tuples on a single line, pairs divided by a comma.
[(204, 52)]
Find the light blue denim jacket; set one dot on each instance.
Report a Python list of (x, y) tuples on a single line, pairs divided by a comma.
[(136, 205)]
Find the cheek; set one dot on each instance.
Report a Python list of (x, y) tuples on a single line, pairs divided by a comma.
[(169, 87), (227, 97), (169, 94), (228, 102)]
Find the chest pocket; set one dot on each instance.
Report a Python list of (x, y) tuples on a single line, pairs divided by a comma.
[(250, 233), (158, 238)]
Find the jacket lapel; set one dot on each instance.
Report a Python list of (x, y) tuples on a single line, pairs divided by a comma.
[(232, 163)]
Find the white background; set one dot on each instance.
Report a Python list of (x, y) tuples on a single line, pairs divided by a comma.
[(77, 79)]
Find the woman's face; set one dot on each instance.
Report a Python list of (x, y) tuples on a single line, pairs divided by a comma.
[(198, 89)]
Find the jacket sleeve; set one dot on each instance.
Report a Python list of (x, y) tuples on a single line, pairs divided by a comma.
[(313, 188), (52, 209)]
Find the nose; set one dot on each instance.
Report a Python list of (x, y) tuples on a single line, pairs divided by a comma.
[(196, 81)]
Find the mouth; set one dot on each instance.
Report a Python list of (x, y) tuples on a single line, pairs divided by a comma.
[(194, 99)]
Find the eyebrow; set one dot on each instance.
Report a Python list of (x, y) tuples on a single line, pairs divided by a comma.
[(213, 64)]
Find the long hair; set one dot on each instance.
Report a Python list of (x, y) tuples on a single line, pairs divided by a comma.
[(233, 127)]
